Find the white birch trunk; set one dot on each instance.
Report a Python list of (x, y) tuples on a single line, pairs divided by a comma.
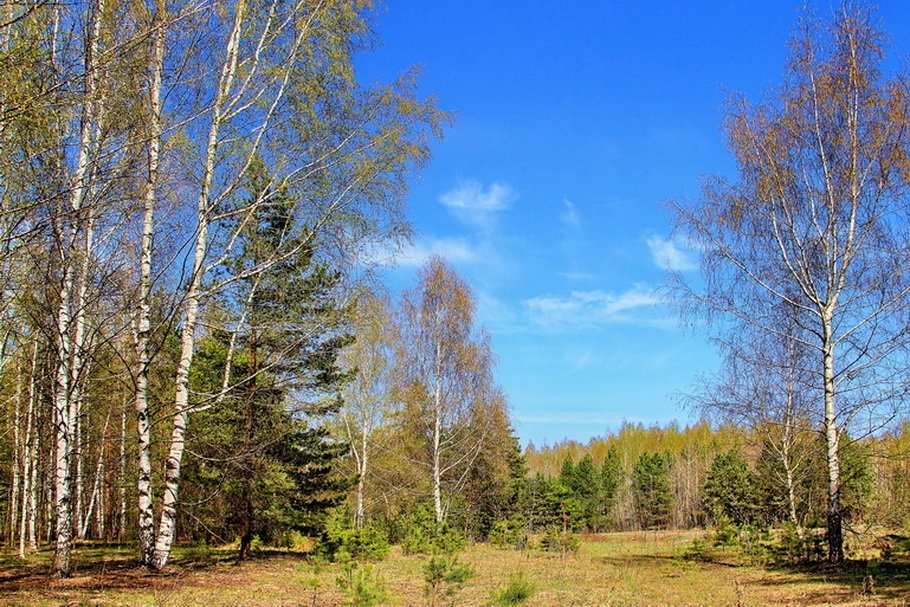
[(166, 527), (17, 460), (31, 511), (121, 515), (437, 437), (143, 312), (832, 449), (361, 477), (63, 388)]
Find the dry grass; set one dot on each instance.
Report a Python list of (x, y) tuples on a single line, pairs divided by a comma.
[(617, 569)]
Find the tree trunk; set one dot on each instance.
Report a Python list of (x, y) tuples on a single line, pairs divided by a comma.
[(71, 228), (143, 313), (246, 536), (165, 537), (835, 536), (437, 437), (361, 479), (26, 516)]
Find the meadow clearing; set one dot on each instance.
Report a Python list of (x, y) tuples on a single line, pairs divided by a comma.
[(612, 569)]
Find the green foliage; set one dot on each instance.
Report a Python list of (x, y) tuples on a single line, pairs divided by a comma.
[(730, 492), (751, 543), (550, 502), (790, 548), (557, 540), (510, 533), (443, 577), (425, 535), (611, 477), (651, 490), (338, 538), (518, 590), (362, 586)]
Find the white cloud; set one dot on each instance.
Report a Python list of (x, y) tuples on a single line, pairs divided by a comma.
[(670, 255), (476, 205), (570, 217), (417, 253), (454, 250), (586, 308)]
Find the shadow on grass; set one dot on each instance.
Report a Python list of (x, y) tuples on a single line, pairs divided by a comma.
[(649, 560), (100, 567), (883, 579)]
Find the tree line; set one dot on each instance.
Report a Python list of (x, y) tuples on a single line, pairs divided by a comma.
[(703, 476)]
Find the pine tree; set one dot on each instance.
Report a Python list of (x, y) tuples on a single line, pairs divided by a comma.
[(651, 490)]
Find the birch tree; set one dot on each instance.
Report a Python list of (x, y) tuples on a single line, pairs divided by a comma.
[(368, 397), (817, 221), (446, 377)]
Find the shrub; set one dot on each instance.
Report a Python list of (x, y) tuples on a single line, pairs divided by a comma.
[(362, 586), (444, 576), (369, 543), (556, 540), (510, 533), (426, 535), (518, 590)]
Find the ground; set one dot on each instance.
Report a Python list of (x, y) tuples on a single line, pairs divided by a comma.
[(615, 569)]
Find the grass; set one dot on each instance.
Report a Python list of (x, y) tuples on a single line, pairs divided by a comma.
[(616, 569)]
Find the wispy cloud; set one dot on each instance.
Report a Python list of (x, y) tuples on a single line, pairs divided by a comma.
[(570, 218), (588, 308), (455, 250), (416, 254), (670, 254), (475, 204)]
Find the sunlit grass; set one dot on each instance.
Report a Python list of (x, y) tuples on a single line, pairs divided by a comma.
[(620, 569)]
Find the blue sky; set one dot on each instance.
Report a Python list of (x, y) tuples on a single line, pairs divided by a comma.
[(576, 123)]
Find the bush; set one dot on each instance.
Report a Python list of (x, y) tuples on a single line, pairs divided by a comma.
[(425, 535), (444, 576), (556, 540), (369, 543), (518, 590), (362, 586), (510, 533), (790, 548), (748, 541)]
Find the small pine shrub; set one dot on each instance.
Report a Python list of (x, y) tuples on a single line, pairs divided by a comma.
[(362, 586), (556, 540), (518, 590), (368, 543), (425, 535), (443, 577), (510, 533)]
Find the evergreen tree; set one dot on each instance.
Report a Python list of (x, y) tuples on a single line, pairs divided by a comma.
[(611, 477), (651, 490), (274, 374), (730, 492)]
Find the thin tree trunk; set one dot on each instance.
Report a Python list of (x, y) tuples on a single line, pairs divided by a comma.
[(246, 536), (437, 437), (18, 460), (835, 536), (361, 478), (66, 354), (96, 484), (28, 458), (143, 312), (166, 527), (121, 484)]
